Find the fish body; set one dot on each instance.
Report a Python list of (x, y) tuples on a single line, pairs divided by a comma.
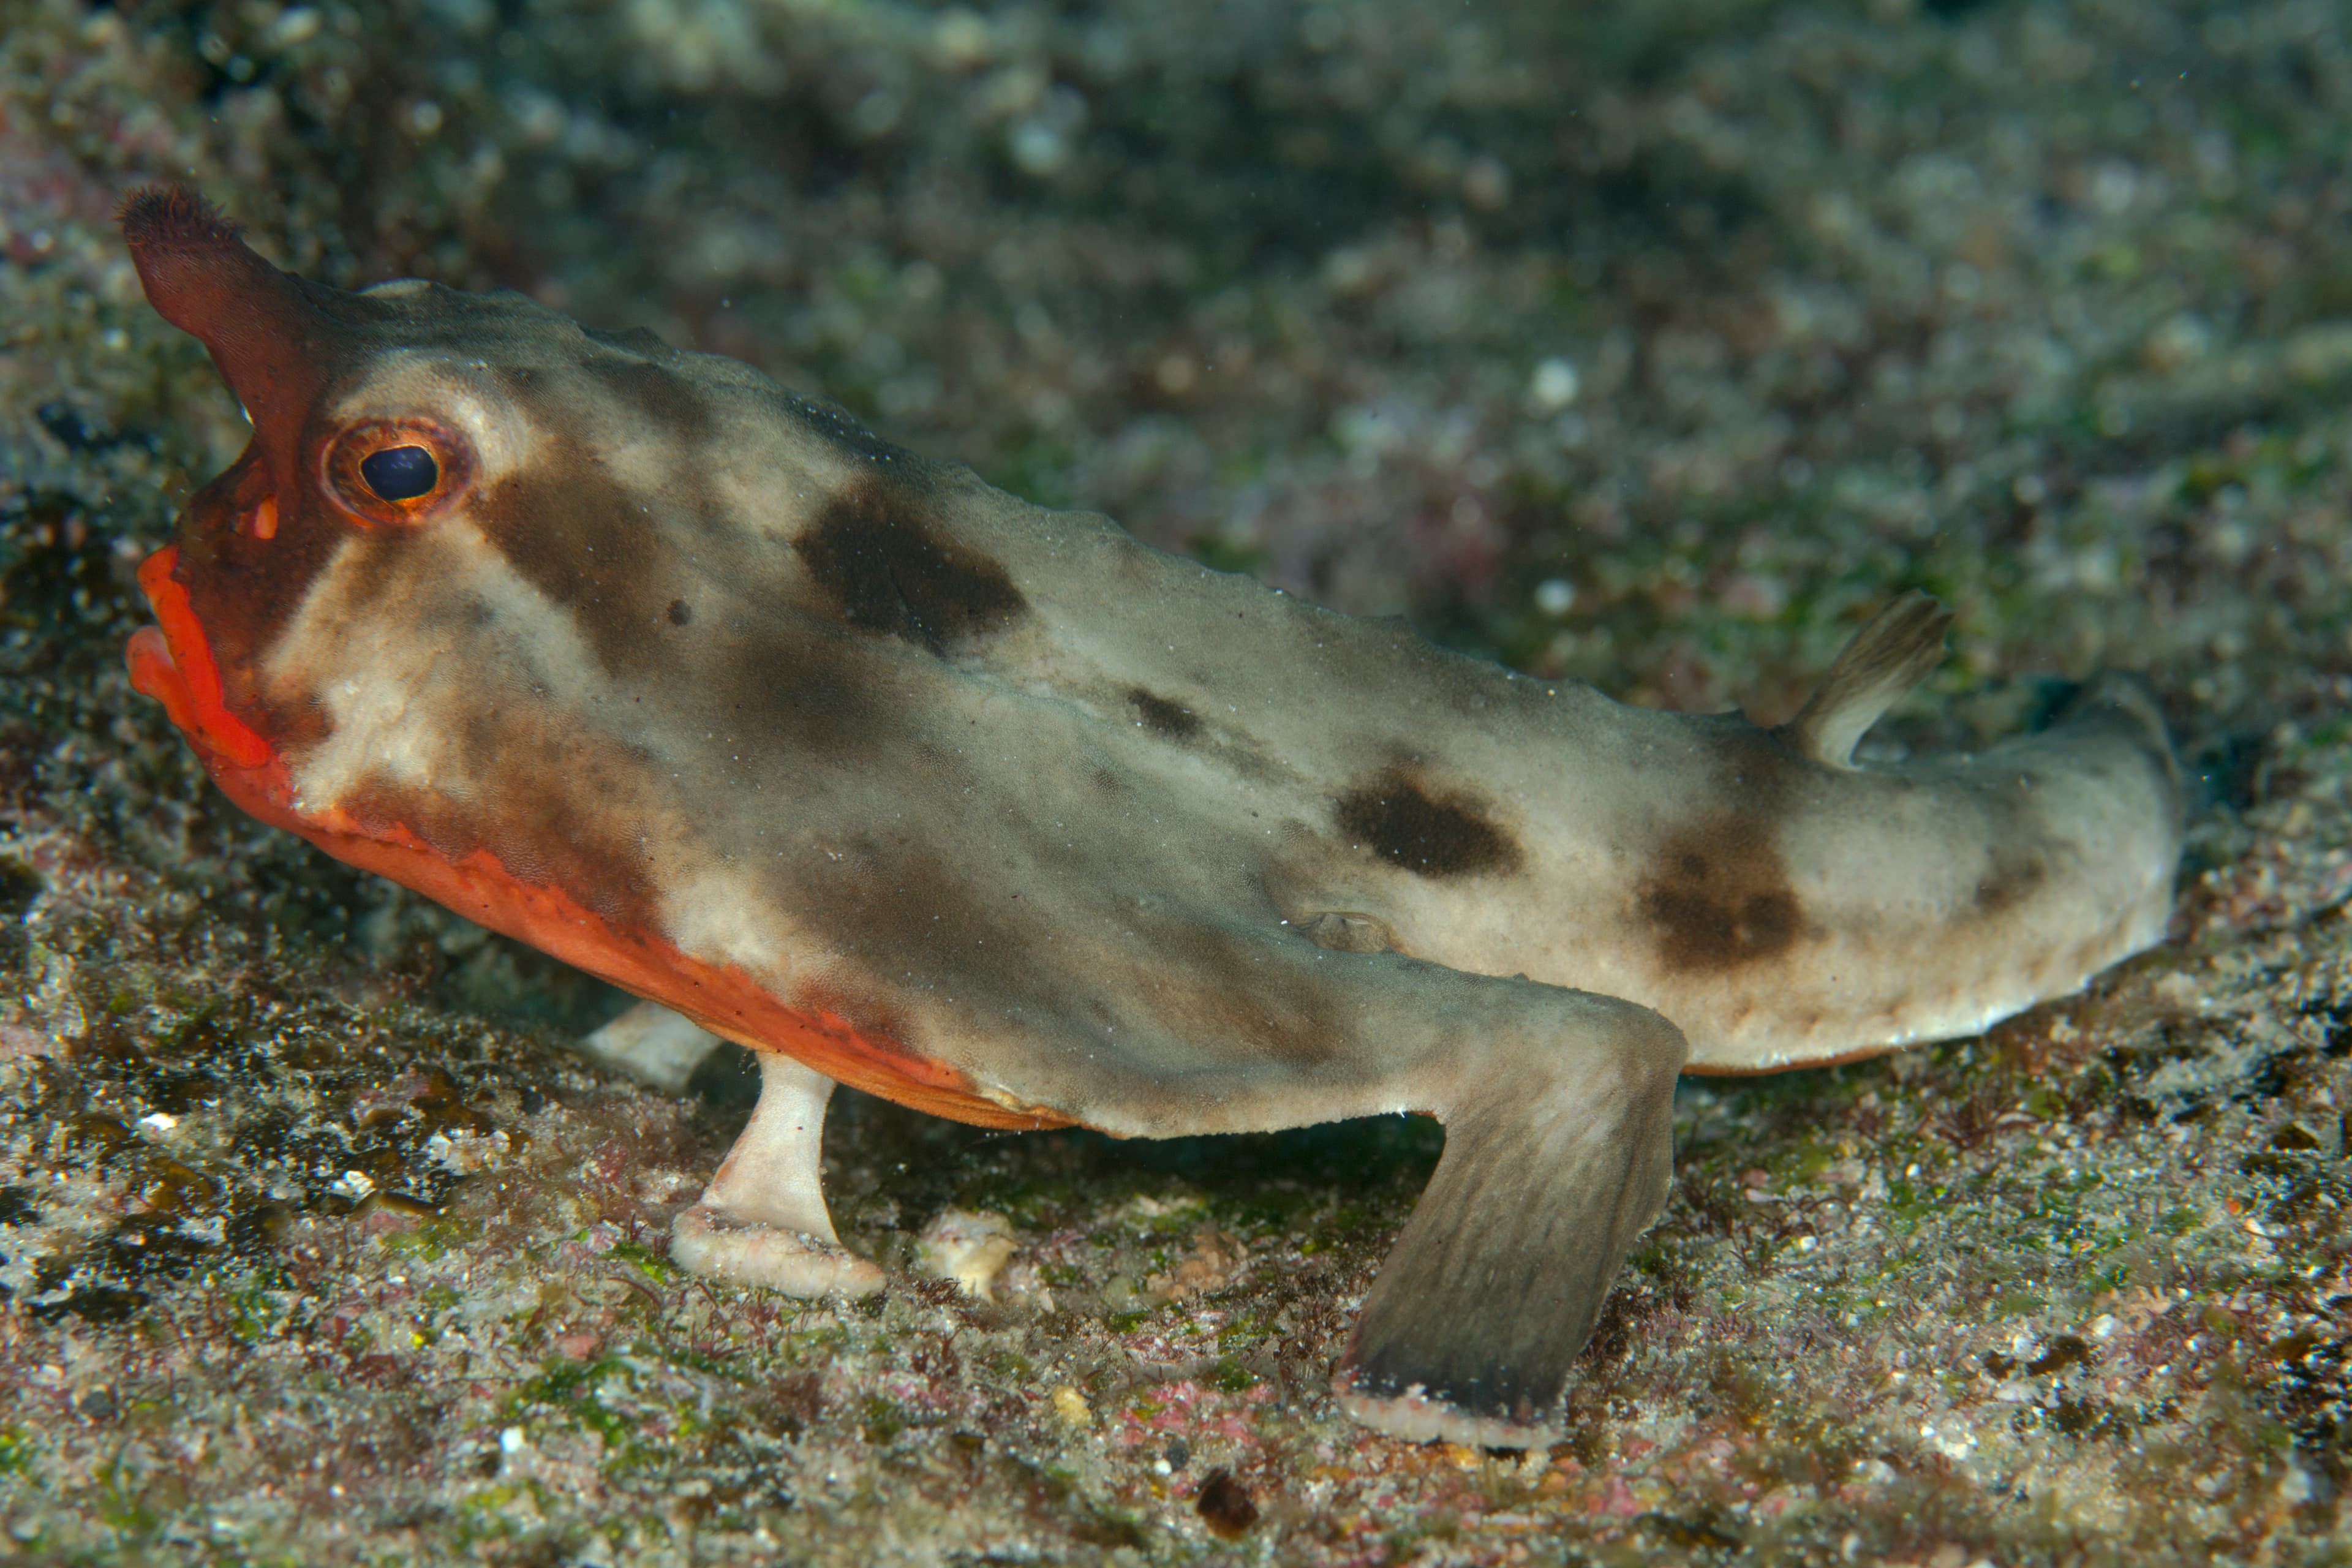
[(902, 782)]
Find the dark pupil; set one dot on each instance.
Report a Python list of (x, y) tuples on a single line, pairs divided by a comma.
[(400, 473)]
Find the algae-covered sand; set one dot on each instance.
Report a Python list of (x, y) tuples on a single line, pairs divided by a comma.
[(1648, 344)]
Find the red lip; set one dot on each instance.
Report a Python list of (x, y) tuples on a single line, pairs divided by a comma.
[(172, 663)]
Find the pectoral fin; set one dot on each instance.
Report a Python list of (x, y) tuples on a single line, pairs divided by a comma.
[(653, 1045), (762, 1220), (1558, 1153), (1886, 659)]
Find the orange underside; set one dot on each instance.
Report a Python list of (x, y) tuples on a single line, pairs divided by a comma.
[(174, 666)]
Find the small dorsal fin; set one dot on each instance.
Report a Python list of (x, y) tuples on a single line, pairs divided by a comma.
[(1886, 659)]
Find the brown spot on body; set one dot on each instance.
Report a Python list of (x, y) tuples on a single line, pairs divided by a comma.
[(577, 536), (1429, 835), (805, 695), (2010, 878), (1161, 716), (886, 567), (1718, 897)]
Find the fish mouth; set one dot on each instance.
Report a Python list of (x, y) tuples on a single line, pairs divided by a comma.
[(172, 661)]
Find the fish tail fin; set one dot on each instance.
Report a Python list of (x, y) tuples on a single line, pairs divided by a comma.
[(1559, 1154)]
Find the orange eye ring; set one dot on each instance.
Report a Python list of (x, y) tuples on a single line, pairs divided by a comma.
[(396, 472)]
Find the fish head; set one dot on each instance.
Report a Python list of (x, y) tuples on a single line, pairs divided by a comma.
[(456, 504), (393, 434), (436, 602), (347, 631), (523, 616)]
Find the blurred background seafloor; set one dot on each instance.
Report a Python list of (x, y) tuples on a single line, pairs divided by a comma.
[(1650, 344)]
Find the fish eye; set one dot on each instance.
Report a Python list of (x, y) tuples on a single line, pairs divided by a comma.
[(400, 473), (396, 471)]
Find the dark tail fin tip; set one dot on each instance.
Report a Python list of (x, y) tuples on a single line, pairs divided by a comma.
[(1558, 1155)]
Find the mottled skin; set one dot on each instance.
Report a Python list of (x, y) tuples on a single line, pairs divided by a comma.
[(993, 809)]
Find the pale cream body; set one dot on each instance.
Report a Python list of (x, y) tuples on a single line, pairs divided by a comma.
[(1119, 840)]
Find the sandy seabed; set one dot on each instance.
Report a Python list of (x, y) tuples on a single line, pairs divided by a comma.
[(1652, 346)]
